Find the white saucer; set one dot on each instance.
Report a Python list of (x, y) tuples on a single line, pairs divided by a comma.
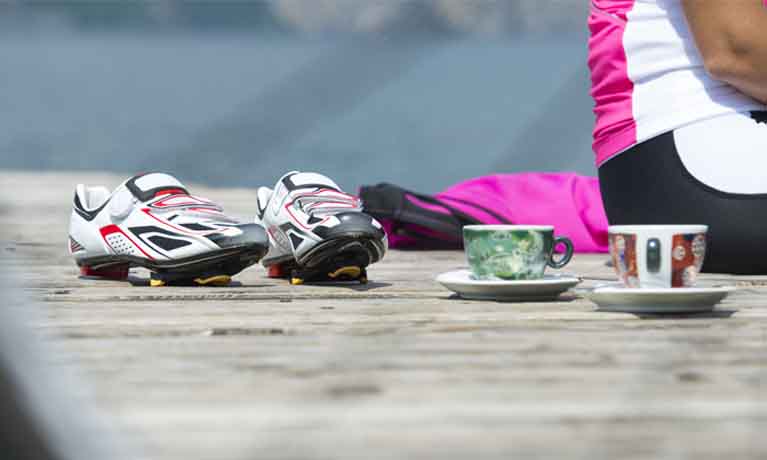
[(670, 300), (548, 288)]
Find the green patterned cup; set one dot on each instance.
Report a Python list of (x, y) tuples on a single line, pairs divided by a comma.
[(513, 252)]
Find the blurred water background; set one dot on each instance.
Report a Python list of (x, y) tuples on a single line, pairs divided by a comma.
[(419, 93)]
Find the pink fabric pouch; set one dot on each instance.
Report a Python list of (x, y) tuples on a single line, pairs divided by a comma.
[(570, 202)]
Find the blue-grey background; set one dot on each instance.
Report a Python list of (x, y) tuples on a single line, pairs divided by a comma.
[(421, 93)]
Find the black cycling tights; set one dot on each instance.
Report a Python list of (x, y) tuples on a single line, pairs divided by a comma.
[(649, 184)]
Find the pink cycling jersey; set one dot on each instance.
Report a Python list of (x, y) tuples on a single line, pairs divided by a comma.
[(647, 76)]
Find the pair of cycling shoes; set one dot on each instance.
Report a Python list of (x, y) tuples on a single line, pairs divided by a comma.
[(306, 229)]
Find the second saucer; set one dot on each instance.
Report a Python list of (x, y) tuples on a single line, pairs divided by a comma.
[(618, 298)]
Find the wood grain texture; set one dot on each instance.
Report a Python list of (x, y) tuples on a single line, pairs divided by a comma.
[(397, 369)]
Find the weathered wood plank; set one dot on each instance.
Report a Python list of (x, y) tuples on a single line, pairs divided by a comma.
[(397, 369)]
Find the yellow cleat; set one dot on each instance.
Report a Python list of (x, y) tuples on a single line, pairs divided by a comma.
[(157, 283), (217, 280), (296, 281), (350, 271)]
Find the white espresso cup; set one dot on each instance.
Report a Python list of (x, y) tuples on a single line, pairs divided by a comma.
[(657, 256)]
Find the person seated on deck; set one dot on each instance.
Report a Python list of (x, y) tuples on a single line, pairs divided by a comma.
[(680, 92)]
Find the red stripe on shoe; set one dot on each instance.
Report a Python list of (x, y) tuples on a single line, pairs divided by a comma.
[(109, 229)]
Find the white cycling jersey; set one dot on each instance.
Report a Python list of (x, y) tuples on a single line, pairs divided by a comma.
[(648, 76)]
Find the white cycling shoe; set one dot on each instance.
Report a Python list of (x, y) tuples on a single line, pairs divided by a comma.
[(152, 221), (316, 231)]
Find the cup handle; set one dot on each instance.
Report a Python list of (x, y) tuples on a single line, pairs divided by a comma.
[(565, 257)]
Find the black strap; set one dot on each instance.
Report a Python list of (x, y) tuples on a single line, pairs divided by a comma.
[(389, 202)]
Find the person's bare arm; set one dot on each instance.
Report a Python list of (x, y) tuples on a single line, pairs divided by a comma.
[(732, 38)]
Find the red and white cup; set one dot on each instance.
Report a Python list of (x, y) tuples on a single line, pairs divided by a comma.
[(657, 256)]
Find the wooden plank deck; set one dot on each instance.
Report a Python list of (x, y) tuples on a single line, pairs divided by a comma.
[(396, 369)]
